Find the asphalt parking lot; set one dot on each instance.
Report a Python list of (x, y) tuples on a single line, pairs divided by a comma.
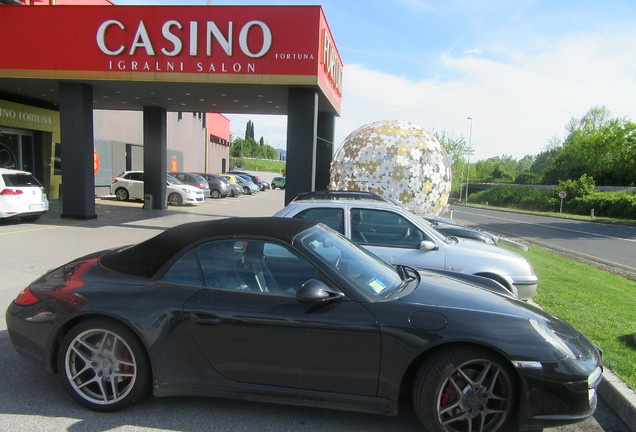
[(31, 399)]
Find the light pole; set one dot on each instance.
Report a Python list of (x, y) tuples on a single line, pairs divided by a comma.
[(470, 149)]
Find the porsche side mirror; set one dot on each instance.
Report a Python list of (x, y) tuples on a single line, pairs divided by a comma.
[(315, 291), (427, 245)]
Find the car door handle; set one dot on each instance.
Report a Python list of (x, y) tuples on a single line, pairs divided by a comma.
[(205, 318)]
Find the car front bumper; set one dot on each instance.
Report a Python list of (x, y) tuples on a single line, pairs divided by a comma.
[(549, 396)]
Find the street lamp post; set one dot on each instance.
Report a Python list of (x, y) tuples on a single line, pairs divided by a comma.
[(470, 149)]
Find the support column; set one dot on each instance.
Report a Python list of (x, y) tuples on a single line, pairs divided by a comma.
[(324, 149), (76, 129), (302, 126), (155, 156)]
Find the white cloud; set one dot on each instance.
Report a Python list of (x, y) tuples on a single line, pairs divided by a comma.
[(517, 103)]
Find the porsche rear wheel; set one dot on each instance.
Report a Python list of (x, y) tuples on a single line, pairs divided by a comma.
[(103, 365), (465, 389)]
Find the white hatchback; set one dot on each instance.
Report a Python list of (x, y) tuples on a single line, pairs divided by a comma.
[(21, 196)]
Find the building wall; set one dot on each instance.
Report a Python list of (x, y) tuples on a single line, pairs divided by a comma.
[(186, 134), (218, 150)]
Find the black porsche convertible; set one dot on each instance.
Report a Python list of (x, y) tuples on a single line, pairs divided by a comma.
[(288, 311)]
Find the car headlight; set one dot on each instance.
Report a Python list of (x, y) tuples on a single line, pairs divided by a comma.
[(186, 191), (551, 337)]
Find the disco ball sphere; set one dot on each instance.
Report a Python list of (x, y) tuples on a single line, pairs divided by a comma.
[(395, 159)]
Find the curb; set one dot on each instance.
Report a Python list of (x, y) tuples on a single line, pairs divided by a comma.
[(619, 397)]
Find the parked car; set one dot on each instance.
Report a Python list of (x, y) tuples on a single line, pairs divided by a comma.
[(262, 185), (192, 179), (178, 193), (300, 313), (400, 237), (21, 196), (447, 227), (130, 185), (218, 188), (235, 190), (279, 182), (246, 180), (249, 188)]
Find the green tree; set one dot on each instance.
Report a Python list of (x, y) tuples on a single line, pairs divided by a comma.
[(249, 130), (578, 188), (599, 146)]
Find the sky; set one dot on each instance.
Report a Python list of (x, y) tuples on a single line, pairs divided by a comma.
[(520, 69)]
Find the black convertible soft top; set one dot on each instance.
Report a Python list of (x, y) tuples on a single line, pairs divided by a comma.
[(146, 258)]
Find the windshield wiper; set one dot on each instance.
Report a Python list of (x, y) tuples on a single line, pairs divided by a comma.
[(406, 279)]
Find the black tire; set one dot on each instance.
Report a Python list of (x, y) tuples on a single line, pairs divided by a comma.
[(465, 388), (247, 190), (30, 218), (214, 193), (273, 186), (175, 199), (103, 365), (122, 194)]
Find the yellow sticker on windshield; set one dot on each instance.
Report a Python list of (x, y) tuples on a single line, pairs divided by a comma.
[(377, 285)]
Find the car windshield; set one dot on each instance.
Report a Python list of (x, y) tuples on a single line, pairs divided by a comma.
[(371, 276), (224, 180), (172, 180)]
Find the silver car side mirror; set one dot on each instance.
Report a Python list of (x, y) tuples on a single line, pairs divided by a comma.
[(428, 245)]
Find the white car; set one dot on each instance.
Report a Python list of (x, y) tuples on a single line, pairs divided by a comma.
[(400, 237), (21, 196), (130, 185)]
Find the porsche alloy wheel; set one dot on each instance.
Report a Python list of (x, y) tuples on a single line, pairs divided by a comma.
[(465, 389), (103, 365)]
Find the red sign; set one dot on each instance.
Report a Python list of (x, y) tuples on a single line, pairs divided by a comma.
[(228, 44), (96, 162), (174, 164)]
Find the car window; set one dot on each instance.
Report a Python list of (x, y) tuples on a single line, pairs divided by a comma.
[(137, 176), (384, 228), (20, 180), (332, 217), (255, 266), (368, 274), (185, 270)]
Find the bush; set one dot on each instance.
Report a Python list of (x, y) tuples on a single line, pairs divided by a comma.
[(605, 204), (517, 197), (578, 188), (621, 204)]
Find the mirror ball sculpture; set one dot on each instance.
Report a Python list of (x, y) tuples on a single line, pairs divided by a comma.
[(395, 159)]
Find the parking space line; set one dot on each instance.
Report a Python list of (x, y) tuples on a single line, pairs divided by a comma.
[(31, 229)]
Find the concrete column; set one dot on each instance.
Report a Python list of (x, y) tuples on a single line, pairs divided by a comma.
[(302, 124), (324, 149), (155, 155), (76, 129)]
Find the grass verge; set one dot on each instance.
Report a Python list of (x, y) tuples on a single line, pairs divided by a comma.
[(599, 304)]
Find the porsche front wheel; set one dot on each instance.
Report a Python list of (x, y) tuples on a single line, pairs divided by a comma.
[(465, 389), (103, 365)]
